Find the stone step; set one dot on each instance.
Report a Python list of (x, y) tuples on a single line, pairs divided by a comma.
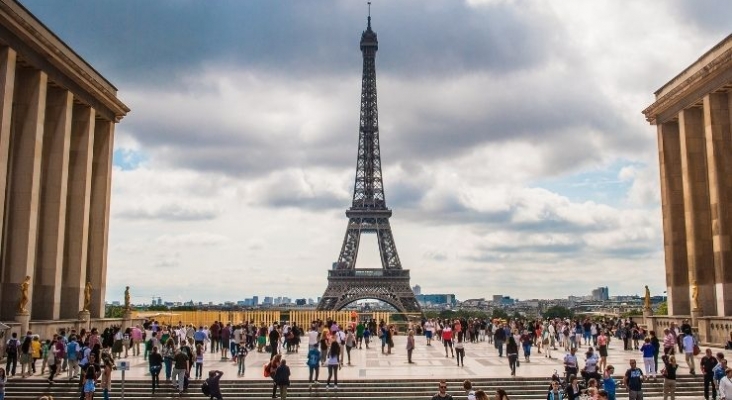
[(518, 388)]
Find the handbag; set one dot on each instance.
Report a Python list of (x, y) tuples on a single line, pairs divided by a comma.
[(697, 350)]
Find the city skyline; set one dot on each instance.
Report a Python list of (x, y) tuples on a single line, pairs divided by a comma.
[(512, 140)]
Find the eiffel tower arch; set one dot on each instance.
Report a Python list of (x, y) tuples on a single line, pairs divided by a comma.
[(369, 214)]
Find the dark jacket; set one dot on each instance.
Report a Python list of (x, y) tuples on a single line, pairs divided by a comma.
[(282, 375)]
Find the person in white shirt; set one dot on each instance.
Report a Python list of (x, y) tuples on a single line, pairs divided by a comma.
[(725, 386), (313, 338), (429, 328), (689, 353)]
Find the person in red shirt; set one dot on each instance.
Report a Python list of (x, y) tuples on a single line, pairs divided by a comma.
[(447, 339)]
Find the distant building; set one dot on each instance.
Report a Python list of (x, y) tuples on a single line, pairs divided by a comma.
[(417, 290), (300, 302), (267, 301), (255, 300), (601, 294), (436, 299)]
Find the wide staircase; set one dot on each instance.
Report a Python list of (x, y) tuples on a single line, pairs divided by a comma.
[(688, 387)]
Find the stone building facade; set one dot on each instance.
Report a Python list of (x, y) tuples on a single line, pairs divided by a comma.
[(692, 118), (57, 122)]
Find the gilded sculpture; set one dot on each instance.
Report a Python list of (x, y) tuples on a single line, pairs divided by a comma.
[(87, 296), (23, 302)]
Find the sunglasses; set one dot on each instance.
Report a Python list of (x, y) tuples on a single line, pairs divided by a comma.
[(443, 387)]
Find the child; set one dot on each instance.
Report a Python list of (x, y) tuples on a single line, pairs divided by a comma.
[(241, 357), (199, 361), (314, 365)]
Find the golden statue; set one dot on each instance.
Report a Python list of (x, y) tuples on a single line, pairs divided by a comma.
[(647, 300), (694, 295), (87, 296), (23, 302), (127, 298)]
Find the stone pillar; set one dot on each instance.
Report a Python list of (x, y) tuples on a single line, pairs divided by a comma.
[(674, 231), (52, 224), (23, 187), (719, 156), (77, 211), (696, 210), (99, 216), (7, 86)]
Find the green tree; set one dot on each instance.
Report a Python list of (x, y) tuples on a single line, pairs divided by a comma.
[(662, 309), (114, 312), (558, 312), (499, 313)]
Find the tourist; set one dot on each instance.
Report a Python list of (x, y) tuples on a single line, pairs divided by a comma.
[(501, 395), (447, 339), (214, 384), (106, 376), (460, 350), (590, 370), (51, 359), (215, 331), (669, 375), (442, 392), (602, 343), (468, 386), (313, 364), (429, 327), (609, 385), (633, 381), (410, 346), (274, 341), (390, 331), (274, 363), (688, 346), (225, 338), (12, 346), (708, 362), (313, 335), (3, 382), (725, 386), (26, 356), (571, 363), (180, 361), (155, 360), (72, 357), (648, 362), (669, 342), (555, 393), (199, 360), (719, 369), (91, 374), (481, 394), (241, 358), (36, 352), (168, 354), (350, 343), (367, 336), (526, 343), (498, 338), (282, 378), (136, 337), (512, 354), (573, 388), (333, 362)]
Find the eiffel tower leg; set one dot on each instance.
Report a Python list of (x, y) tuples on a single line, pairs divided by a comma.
[(387, 248)]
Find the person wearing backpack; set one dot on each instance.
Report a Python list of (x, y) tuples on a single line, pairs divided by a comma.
[(11, 352)]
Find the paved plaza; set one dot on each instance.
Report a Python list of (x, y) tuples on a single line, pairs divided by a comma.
[(481, 361)]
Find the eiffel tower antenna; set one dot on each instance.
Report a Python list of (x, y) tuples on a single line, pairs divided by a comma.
[(368, 213)]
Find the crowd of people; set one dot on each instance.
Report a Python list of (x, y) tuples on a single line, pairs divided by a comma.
[(178, 352)]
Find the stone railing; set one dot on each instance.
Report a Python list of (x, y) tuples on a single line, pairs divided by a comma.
[(713, 331)]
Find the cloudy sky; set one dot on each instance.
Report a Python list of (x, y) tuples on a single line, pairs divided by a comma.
[(515, 155)]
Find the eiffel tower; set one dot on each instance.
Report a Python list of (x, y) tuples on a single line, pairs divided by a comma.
[(369, 214)]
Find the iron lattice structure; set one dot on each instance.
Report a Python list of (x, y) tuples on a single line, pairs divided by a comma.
[(369, 214)]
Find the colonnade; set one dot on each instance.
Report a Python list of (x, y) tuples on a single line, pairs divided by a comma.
[(692, 116), (57, 121)]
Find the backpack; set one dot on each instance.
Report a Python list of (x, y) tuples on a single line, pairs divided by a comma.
[(205, 389), (12, 346)]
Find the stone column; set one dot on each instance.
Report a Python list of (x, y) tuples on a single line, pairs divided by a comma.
[(24, 181), (99, 216), (77, 211), (7, 86), (696, 210), (719, 156), (52, 224), (674, 231)]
